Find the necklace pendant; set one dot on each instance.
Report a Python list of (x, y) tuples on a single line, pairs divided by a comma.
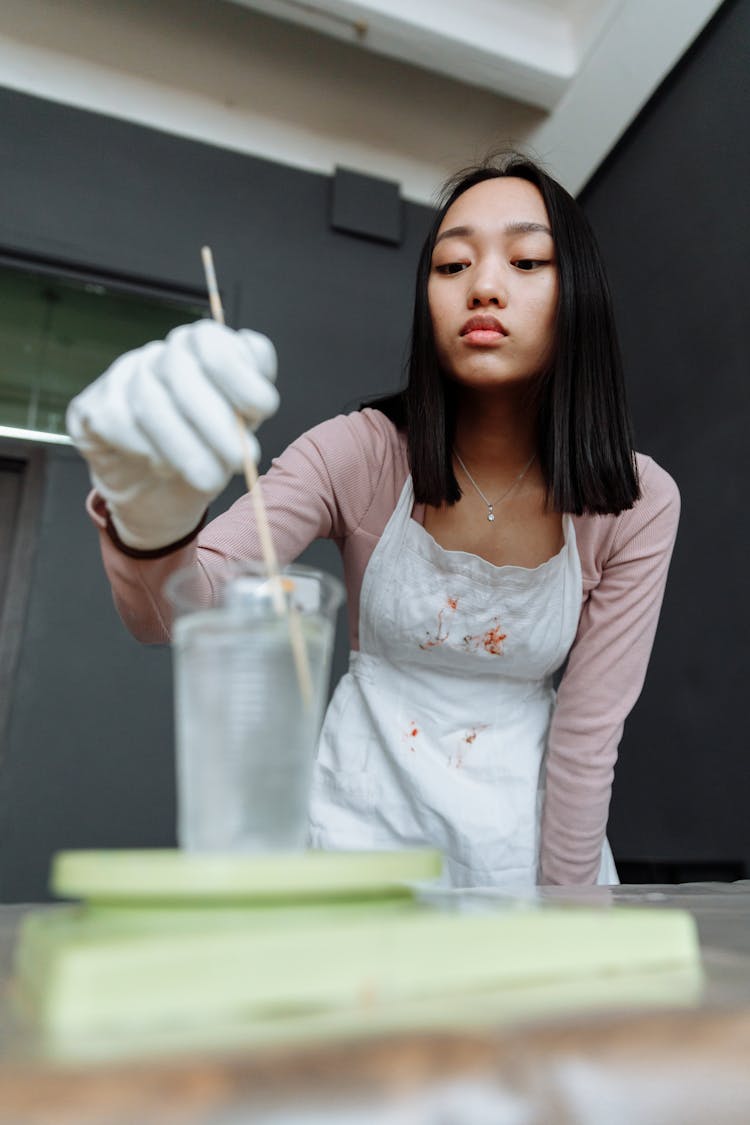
[(490, 513)]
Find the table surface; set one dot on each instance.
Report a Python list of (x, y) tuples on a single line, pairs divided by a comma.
[(682, 1064)]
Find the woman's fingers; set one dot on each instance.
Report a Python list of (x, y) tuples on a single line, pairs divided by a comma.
[(262, 351), (177, 445), (101, 416), (175, 403), (240, 364), (201, 403)]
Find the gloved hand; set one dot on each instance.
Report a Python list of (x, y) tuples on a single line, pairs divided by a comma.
[(158, 428)]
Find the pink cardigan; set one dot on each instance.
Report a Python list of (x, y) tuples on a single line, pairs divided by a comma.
[(341, 481)]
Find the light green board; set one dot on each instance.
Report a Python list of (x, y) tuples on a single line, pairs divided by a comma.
[(88, 973), (172, 876)]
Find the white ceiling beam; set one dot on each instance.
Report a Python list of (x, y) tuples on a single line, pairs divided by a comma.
[(637, 49), (525, 51)]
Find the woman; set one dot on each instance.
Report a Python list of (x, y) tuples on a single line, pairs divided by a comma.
[(494, 524)]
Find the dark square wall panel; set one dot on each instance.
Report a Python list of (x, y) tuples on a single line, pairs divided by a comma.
[(366, 206)]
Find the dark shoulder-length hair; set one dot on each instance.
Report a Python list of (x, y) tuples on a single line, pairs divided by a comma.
[(584, 437)]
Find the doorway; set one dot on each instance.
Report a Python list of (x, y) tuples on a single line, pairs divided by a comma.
[(21, 475)]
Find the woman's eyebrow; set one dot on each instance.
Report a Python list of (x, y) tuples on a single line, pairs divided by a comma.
[(518, 227), (455, 232), (528, 228)]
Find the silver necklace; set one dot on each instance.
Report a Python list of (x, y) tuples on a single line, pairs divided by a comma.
[(491, 504)]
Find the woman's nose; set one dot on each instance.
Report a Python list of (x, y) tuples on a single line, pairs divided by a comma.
[(488, 290)]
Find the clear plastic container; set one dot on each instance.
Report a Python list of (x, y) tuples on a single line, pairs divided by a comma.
[(247, 722)]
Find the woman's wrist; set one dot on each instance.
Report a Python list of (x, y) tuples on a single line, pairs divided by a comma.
[(152, 552)]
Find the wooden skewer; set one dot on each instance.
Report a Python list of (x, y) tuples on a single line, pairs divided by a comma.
[(270, 558)]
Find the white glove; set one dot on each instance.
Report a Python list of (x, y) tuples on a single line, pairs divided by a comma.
[(159, 432)]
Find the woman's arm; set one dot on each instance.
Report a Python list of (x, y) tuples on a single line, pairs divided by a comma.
[(602, 681), (319, 487)]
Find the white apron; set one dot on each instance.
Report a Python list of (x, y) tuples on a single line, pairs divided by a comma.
[(437, 734)]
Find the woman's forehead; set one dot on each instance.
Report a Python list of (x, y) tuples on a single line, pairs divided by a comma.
[(497, 202)]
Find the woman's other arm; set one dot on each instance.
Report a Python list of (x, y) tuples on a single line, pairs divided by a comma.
[(603, 679)]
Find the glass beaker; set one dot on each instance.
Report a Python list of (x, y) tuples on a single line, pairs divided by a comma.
[(246, 718)]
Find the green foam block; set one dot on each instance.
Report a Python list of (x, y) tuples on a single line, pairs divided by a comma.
[(170, 875), (97, 973)]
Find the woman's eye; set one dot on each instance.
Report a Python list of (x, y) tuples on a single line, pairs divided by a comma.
[(529, 263), (451, 267)]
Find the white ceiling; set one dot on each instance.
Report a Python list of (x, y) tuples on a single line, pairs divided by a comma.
[(408, 90), (590, 65), (528, 50)]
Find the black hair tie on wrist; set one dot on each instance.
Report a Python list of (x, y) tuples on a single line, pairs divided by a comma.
[(154, 552)]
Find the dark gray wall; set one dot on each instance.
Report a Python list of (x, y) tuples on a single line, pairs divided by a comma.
[(670, 208), (87, 759)]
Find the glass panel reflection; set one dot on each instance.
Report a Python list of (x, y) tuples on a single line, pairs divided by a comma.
[(58, 333)]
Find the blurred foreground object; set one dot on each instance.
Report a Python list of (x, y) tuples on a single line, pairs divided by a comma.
[(264, 959)]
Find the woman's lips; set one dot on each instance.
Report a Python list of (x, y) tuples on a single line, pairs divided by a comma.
[(482, 330), (482, 336)]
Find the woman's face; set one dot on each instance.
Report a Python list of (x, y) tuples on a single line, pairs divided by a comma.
[(493, 286)]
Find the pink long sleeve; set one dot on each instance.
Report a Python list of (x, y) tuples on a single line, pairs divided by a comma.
[(322, 486), (605, 674)]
